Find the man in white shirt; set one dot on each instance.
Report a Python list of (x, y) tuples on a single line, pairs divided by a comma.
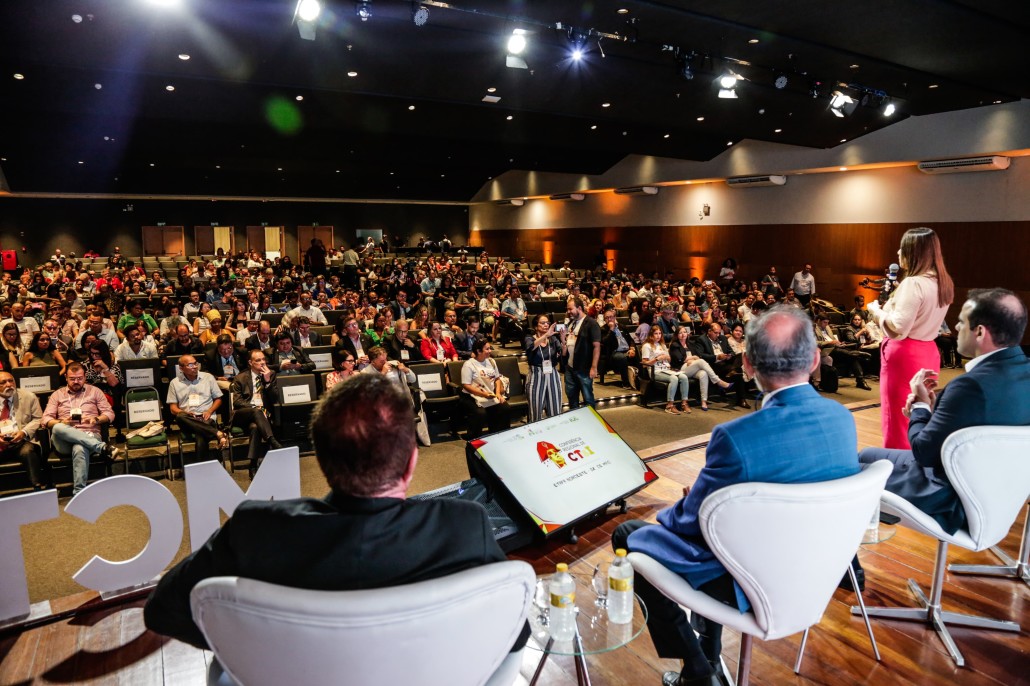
[(193, 399), (305, 309), (803, 285), (134, 347), (27, 326), (244, 334)]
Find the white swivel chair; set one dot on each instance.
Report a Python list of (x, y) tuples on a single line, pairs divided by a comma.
[(455, 631), (1018, 568), (989, 468), (754, 530)]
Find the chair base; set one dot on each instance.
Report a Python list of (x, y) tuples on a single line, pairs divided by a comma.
[(938, 619), (1012, 569)]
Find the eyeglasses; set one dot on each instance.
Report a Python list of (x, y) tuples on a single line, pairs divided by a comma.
[(349, 359), (191, 365)]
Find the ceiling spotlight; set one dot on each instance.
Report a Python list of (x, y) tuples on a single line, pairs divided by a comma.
[(419, 14), (169, 88), (781, 81), (579, 43), (300, 98), (889, 109), (308, 10), (841, 105), (352, 74), (19, 77), (184, 57), (517, 42), (728, 86), (364, 10)]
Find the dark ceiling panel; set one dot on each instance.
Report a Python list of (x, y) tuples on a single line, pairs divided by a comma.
[(233, 119)]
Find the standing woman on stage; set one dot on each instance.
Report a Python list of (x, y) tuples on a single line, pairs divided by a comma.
[(910, 320), (543, 350)]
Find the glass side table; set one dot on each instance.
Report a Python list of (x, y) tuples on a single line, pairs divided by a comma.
[(594, 633)]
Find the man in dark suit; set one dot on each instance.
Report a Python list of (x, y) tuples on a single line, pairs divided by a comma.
[(401, 346), (303, 336), (994, 391), (617, 349), (253, 396), (465, 339), (713, 348), (184, 343), (224, 362), (355, 342), (797, 437), (364, 534), (262, 340), (288, 360), (581, 343)]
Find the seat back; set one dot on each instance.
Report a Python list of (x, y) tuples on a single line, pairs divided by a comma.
[(431, 379), (322, 356), (297, 389), (40, 379), (509, 366), (145, 372), (989, 468), (453, 630), (142, 405), (756, 529)]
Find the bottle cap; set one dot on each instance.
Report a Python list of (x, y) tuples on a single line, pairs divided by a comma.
[(562, 567), (621, 552)]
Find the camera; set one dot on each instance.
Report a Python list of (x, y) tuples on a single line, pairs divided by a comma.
[(76, 414)]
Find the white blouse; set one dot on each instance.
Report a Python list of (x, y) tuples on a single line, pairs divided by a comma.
[(912, 311)]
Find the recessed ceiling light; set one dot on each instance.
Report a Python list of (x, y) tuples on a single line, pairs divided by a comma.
[(997, 102), (391, 173), (752, 41), (665, 136), (932, 85), (77, 18), (98, 86), (169, 88), (337, 171), (843, 140), (622, 10), (107, 138), (19, 77), (778, 131), (854, 66), (81, 162), (729, 142), (218, 166), (411, 108), (442, 175), (278, 168), (183, 56), (491, 89), (843, 169), (700, 118), (352, 74), (300, 98), (606, 104), (509, 117), (151, 164)]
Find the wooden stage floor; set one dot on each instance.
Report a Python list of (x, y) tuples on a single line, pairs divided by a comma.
[(111, 646)]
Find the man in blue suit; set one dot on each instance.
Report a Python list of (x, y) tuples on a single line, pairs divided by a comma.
[(994, 391), (797, 437)]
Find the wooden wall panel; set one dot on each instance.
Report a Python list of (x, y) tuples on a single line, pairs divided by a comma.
[(978, 254)]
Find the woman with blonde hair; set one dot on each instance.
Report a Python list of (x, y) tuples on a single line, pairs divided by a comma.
[(910, 321)]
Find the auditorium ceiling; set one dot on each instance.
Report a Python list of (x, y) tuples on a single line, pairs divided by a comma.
[(225, 97)]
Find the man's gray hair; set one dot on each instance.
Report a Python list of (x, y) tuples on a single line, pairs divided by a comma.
[(789, 350)]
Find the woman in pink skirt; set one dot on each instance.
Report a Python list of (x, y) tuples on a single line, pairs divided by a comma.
[(910, 321)]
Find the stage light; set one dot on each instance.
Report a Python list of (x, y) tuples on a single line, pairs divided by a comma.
[(308, 10), (841, 104), (889, 109), (517, 42), (364, 10), (728, 86), (419, 14), (578, 39)]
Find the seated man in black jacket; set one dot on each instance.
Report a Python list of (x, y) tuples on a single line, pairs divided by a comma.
[(617, 349), (713, 348), (364, 534), (402, 346), (464, 340), (287, 359)]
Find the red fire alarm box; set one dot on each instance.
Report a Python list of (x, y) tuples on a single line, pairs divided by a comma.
[(10, 259)]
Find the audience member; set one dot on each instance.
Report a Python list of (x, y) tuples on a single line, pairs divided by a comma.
[(20, 419), (543, 355), (253, 393), (288, 360), (581, 346), (484, 394), (194, 399)]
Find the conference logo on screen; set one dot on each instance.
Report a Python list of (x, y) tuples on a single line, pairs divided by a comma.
[(552, 456)]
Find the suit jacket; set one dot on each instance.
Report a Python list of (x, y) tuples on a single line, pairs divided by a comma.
[(242, 390), (213, 362), (27, 413), (701, 346), (996, 392), (313, 336), (797, 437), (307, 366), (339, 543), (346, 344), (174, 347), (463, 343), (393, 347), (254, 344)]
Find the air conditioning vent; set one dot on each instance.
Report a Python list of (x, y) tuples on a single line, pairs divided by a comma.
[(637, 190), (965, 164), (752, 181), (568, 196), (517, 202)]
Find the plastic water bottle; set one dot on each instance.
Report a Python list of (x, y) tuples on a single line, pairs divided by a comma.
[(620, 589), (563, 604)]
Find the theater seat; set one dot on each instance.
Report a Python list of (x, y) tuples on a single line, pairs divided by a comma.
[(452, 631)]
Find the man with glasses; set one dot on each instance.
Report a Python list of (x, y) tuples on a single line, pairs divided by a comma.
[(27, 326), (193, 399), (305, 309), (289, 360), (134, 347), (304, 337), (51, 327), (400, 346), (253, 396), (20, 416), (95, 325), (355, 342), (77, 416)]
